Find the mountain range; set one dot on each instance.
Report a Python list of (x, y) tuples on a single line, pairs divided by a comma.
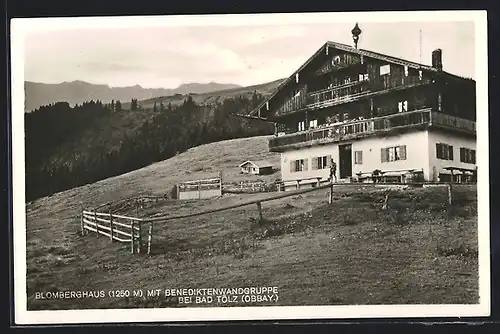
[(77, 92)]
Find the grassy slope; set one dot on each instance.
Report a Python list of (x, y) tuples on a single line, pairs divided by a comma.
[(351, 252)]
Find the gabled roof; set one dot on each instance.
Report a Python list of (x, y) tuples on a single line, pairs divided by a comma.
[(257, 163), (348, 48)]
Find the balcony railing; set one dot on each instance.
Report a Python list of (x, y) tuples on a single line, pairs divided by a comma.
[(356, 129), (353, 90), (453, 122)]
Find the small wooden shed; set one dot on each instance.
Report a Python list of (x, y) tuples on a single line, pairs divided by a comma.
[(259, 167)]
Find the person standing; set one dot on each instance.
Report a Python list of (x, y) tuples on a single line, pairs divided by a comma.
[(333, 170)]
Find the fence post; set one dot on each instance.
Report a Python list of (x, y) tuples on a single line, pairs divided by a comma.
[(150, 237), (330, 196), (132, 236), (96, 225), (450, 194), (259, 207), (220, 183), (298, 184), (139, 237), (199, 189), (111, 226), (81, 219)]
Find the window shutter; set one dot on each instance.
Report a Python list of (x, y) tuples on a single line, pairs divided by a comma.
[(473, 156), (383, 153), (438, 151), (315, 163), (328, 159), (402, 152), (462, 154), (292, 166), (360, 157), (305, 164), (450, 152)]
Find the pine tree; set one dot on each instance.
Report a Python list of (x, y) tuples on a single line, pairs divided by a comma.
[(154, 107)]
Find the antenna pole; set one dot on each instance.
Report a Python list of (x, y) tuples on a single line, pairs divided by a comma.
[(420, 44)]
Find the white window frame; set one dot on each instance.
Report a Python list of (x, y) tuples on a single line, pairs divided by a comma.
[(402, 106), (385, 69), (323, 162)]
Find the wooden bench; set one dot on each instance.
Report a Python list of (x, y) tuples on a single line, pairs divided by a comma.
[(399, 174), (297, 182), (464, 172)]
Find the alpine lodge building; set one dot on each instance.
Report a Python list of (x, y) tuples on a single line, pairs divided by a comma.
[(372, 114)]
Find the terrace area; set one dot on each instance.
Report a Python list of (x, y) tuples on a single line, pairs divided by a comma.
[(325, 134)]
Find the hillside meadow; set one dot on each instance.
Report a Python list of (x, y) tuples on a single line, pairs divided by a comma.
[(352, 251)]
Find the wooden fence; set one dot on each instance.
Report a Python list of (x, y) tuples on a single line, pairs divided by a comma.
[(248, 186), (132, 229), (199, 189), (119, 228)]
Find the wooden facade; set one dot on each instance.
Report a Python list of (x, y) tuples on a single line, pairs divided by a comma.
[(343, 94), (340, 84)]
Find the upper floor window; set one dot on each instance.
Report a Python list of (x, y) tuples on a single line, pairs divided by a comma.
[(420, 75), (363, 76), (347, 80), (385, 69), (302, 126), (313, 123), (402, 106), (336, 60), (444, 151), (406, 71)]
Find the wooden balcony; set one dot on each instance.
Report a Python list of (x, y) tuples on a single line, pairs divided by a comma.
[(371, 127), (359, 89)]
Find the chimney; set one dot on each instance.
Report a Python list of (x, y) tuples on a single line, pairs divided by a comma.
[(437, 61)]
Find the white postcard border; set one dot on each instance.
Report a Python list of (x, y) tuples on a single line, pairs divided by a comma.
[(19, 27)]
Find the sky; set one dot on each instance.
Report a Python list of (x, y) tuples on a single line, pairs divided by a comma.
[(243, 54)]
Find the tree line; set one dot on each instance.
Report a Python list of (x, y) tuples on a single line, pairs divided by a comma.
[(172, 131)]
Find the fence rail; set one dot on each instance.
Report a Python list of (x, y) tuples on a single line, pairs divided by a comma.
[(246, 187), (199, 189), (139, 231), (117, 227), (361, 128)]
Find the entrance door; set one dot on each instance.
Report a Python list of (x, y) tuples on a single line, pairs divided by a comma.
[(345, 161)]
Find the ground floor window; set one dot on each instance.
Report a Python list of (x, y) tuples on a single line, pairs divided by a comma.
[(358, 157), (299, 165), (394, 153), (320, 162), (467, 155), (444, 151)]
